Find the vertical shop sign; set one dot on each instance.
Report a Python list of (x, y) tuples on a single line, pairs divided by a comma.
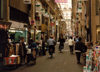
[(79, 6), (97, 6), (3, 9), (32, 22)]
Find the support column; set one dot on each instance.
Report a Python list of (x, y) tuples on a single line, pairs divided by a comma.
[(48, 22), (33, 18)]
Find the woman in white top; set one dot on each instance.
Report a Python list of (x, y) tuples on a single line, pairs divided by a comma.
[(71, 44)]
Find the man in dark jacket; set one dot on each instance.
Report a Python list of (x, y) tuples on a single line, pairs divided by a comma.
[(80, 48), (22, 50), (61, 46), (32, 56)]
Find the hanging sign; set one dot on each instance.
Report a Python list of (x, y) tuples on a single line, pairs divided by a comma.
[(32, 22), (61, 1), (79, 6), (82, 0), (52, 23), (27, 1)]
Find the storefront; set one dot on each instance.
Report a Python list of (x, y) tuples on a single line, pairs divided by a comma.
[(18, 30)]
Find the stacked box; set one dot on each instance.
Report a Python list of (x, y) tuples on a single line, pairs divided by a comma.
[(12, 60)]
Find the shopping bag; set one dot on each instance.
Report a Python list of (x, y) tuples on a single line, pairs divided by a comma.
[(34, 53), (0, 54), (29, 51), (58, 42)]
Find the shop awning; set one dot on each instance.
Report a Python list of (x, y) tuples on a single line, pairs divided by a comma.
[(5, 22), (17, 25)]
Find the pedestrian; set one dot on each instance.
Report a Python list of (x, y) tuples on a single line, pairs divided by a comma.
[(22, 50), (32, 56), (61, 45), (71, 44), (4, 50), (3, 42), (43, 48), (76, 39), (80, 48), (51, 43)]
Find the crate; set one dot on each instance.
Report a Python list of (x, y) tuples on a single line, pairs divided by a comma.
[(12, 60)]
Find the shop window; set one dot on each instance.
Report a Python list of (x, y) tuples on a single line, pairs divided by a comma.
[(98, 35), (37, 18), (39, 27), (43, 19)]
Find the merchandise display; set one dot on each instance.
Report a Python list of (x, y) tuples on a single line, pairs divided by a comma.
[(92, 60), (12, 60)]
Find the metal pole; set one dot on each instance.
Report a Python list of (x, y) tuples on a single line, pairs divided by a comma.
[(7, 10), (56, 33), (32, 3), (90, 19)]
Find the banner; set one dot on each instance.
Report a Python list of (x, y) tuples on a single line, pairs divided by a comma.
[(27, 1), (79, 6), (61, 1)]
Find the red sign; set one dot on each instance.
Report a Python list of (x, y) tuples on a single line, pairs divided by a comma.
[(32, 22), (52, 24)]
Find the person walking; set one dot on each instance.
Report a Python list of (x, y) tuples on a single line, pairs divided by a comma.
[(4, 50), (43, 48), (61, 46), (80, 48), (32, 55), (71, 44), (76, 39), (51, 43), (22, 50)]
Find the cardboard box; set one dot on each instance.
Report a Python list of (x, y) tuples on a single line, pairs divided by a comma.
[(12, 60)]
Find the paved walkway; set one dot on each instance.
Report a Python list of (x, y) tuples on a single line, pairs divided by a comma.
[(62, 62)]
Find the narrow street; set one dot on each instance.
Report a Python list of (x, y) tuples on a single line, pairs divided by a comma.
[(62, 62), (28, 26)]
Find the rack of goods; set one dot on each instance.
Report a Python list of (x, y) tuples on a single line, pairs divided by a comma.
[(88, 67), (92, 60), (13, 59)]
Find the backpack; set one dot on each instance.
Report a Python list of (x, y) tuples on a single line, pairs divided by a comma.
[(84, 48)]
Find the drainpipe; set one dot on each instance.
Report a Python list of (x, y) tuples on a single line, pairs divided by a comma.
[(90, 20)]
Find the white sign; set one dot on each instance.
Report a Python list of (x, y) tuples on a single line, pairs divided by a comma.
[(79, 6), (63, 20), (57, 23), (27, 1), (17, 25)]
